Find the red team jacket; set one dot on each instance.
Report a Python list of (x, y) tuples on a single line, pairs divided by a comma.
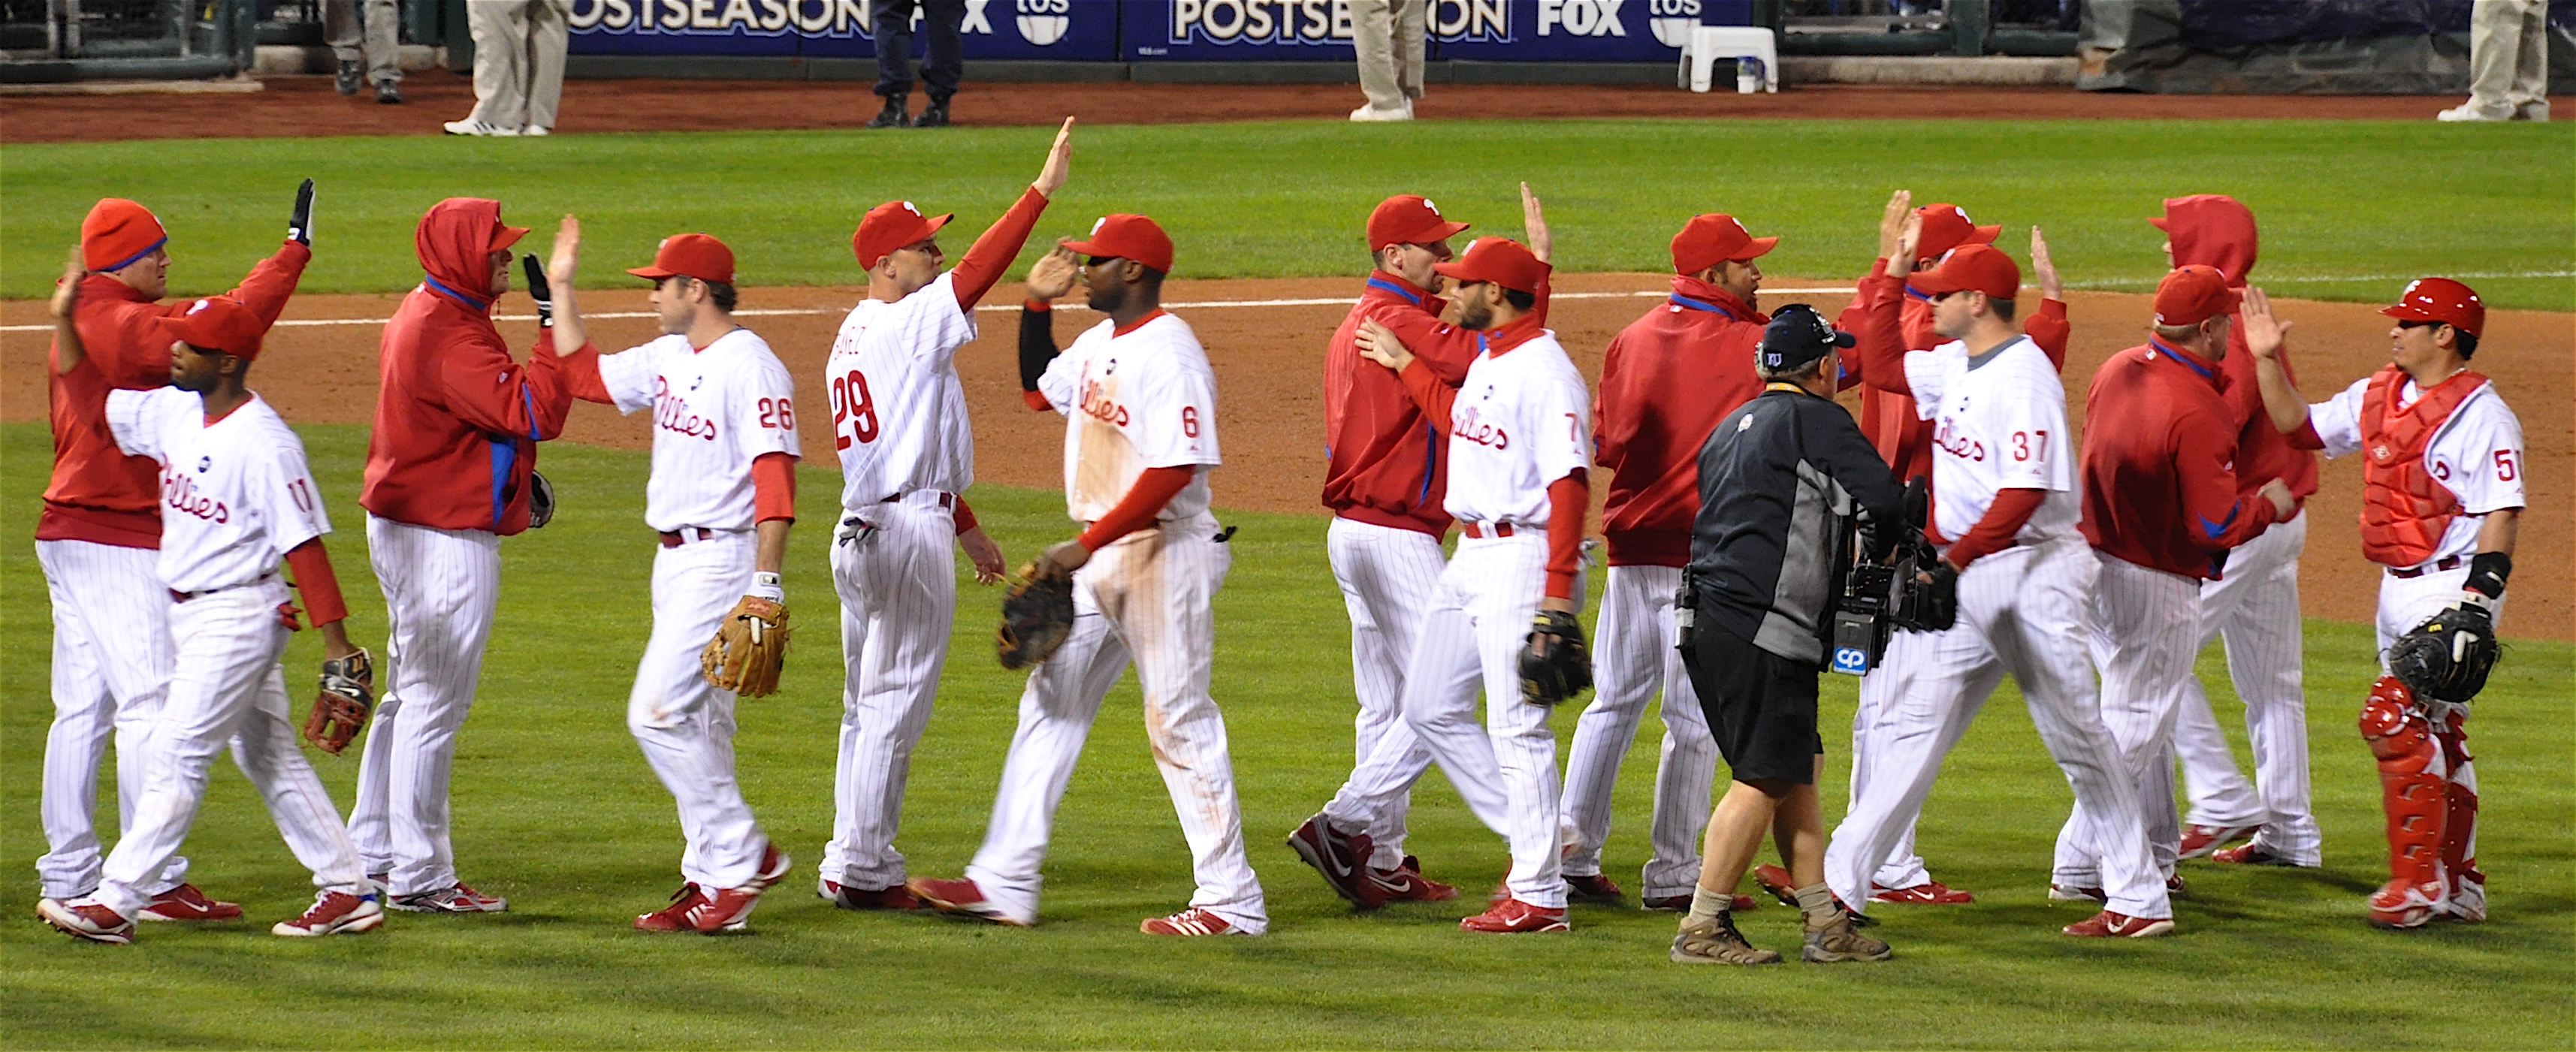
[(1384, 465), (2217, 231), (1887, 308), (97, 493), (457, 420), (2159, 489), (1666, 380)]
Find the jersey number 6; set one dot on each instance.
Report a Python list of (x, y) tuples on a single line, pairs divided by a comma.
[(854, 411)]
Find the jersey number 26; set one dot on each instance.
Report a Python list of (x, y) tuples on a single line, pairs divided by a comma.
[(854, 411)]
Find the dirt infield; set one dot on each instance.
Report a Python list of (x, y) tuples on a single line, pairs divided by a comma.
[(1268, 358), (306, 106)]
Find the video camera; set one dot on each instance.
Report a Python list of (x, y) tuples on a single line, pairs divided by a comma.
[(1912, 590)]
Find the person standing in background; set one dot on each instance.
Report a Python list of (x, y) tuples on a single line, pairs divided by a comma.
[(1390, 38), (890, 22), (380, 60), (519, 48), (2508, 62)]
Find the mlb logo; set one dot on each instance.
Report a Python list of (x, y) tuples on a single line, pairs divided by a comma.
[(1853, 660)]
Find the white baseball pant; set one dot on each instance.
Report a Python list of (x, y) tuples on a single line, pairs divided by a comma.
[(1632, 655), (898, 588), (227, 686), (683, 723), (2021, 611), (1144, 599), (1506, 769), (1388, 576), (2254, 606), (2144, 631), (1880, 691), (111, 670), (441, 587)]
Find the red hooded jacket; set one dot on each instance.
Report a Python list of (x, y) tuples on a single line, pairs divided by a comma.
[(98, 494), (1383, 457), (1666, 380), (2157, 487), (457, 420), (2216, 230)]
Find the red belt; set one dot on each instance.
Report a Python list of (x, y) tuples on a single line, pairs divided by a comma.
[(2448, 563), (1480, 531), (676, 538)]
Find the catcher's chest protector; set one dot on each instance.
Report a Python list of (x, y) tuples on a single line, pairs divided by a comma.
[(2404, 509)]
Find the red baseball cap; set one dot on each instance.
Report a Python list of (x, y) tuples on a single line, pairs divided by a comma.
[(1946, 226), (890, 226), (1500, 260), (1126, 236), (1714, 238), (117, 233), (690, 255), (1972, 268), (2442, 300), (219, 323), (2194, 294), (1408, 219)]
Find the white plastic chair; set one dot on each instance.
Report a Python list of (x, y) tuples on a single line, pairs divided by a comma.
[(1708, 44)]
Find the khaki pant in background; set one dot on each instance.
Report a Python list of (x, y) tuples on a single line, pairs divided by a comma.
[(2508, 57), (381, 30), (519, 48), (1389, 36)]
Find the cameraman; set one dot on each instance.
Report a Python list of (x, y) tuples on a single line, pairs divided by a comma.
[(1781, 482)]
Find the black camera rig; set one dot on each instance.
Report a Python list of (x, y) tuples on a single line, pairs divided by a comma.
[(1911, 589)]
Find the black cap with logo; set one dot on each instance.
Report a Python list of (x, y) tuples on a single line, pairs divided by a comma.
[(1798, 335)]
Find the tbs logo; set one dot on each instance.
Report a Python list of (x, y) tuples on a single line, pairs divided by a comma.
[(1043, 22), (1851, 659)]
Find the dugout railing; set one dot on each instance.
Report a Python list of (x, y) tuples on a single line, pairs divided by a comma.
[(44, 41)]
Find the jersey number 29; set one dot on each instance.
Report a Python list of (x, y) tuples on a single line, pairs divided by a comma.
[(854, 411)]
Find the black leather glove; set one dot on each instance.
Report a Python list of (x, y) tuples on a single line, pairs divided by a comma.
[(540, 290), (299, 227)]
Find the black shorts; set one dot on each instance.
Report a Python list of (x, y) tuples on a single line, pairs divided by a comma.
[(1761, 706)]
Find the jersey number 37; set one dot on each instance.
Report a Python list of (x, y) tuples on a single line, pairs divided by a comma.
[(854, 411)]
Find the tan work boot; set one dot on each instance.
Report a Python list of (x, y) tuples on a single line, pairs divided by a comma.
[(1836, 940), (1717, 942)]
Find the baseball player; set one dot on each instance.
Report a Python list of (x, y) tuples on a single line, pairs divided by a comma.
[(1666, 380), (1139, 403), (99, 535), (1386, 481), (2441, 496), (451, 465), (2003, 510), (722, 495), (237, 499), (1912, 240), (2162, 508), (1519, 439), (2254, 606), (899, 423)]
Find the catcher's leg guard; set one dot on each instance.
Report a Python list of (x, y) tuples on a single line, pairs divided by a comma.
[(2412, 790), (2468, 886)]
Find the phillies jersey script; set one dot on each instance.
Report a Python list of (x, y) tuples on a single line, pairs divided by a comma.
[(714, 412), (1999, 422), (2477, 454), (1132, 400), (898, 410), (235, 493), (1521, 421)]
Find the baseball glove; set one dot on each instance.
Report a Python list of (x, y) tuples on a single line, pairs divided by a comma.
[(541, 501), (1556, 665), (348, 697), (749, 648), (2446, 658), (1037, 615)]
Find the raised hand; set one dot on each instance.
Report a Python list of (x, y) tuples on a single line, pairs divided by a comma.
[(1059, 162), (1891, 227), (68, 352), (1907, 238), (2049, 286), (1534, 225), (566, 259), (539, 290), (299, 225), (2263, 332), (560, 312), (1053, 274), (1379, 344)]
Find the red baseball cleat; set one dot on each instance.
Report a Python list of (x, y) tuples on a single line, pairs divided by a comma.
[(186, 903), (1776, 880), (333, 912), (1341, 858), (2109, 925), (1928, 893), (2253, 854), (773, 868), (1592, 887), (674, 916), (1405, 883), (2201, 840), (1514, 917), (847, 897), (2073, 893), (455, 898), (85, 918), (1191, 921), (2399, 905), (729, 909), (961, 898)]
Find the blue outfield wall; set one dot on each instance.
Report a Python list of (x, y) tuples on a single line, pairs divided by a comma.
[(1156, 30)]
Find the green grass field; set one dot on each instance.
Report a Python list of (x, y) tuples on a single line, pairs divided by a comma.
[(556, 810), (2350, 210)]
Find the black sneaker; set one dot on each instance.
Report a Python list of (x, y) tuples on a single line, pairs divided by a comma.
[(934, 115), (893, 115), (388, 93), (351, 76)]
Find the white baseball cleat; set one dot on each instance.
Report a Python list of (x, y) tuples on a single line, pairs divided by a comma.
[(1191, 921), (86, 918), (1369, 114), (2469, 111), (535, 130), (470, 126), (334, 912), (455, 898)]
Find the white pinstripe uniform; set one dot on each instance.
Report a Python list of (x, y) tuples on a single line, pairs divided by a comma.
[(714, 412), (2000, 422), (1522, 420), (236, 498), (441, 588), (1132, 401), (1388, 576), (899, 423), (2255, 608), (111, 670), (1634, 656)]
